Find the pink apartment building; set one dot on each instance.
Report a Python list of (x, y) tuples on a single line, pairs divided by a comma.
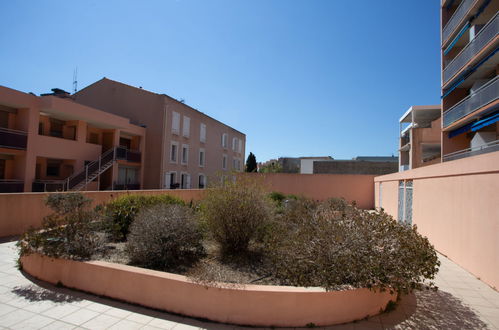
[(50, 143), (185, 148)]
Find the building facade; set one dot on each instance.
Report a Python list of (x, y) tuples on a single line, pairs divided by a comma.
[(470, 87), (51, 143), (185, 148), (420, 137)]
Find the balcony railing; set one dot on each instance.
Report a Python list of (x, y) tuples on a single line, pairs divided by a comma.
[(483, 149), (11, 186), (10, 138), (486, 34), (484, 95), (456, 18), (126, 186), (48, 185), (128, 155)]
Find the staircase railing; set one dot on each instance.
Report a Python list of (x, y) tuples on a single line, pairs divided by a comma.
[(90, 169)]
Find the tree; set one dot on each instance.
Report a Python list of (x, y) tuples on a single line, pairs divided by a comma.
[(251, 163)]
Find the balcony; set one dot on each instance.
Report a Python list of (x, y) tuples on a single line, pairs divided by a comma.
[(456, 19), (483, 38), (483, 149), (486, 94), (13, 139), (48, 185), (127, 186), (123, 153), (11, 186)]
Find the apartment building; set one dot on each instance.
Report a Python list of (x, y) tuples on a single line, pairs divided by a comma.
[(185, 148), (51, 143), (470, 87), (420, 137)]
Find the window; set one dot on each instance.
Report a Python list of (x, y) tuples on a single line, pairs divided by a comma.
[(202, 133), (171, 180), (53, 167), (240, 145), (224, 162), (186, 127), (202, 181), (175, 122), (2, 169), (125, 143), (94, 138), (185, 181), (236, 164), (234, 144), (173, 152), (185, 154), (225, 137), (56, 127), (201, 157)]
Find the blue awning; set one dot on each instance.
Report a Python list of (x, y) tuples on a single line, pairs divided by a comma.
[(485, 122), (460, 130)]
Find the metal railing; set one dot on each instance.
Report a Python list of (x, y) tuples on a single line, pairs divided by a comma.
[(91, 170), (126, 186), (484, 95), (123, 153), (483, 149), (486, 34), (11, 138), (456, 18), (11, 186), (48, 185)]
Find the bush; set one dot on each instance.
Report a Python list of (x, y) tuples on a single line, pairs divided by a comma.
[(235, 211), (165, 237), (335, 245), (68, 232), (122, 211)]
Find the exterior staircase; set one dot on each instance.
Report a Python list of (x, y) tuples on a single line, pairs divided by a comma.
[(81, 179)]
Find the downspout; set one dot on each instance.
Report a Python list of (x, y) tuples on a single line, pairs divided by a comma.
[(163, 142)]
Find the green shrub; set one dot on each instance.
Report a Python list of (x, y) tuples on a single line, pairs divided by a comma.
[(67, 232), (165, 237), (335, 245), (235, 211), (122, 211)]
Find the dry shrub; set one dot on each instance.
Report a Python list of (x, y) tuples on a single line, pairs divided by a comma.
[(121, 211), (235, 211), (335, 245), (165, 237), (67, 232)]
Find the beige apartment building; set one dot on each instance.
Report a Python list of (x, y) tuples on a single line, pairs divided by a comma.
[(51, 143), (420, 137), (185, 148)]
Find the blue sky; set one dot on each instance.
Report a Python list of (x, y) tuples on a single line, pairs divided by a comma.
[(299, 78)]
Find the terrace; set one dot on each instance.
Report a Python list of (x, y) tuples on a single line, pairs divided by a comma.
[(462, 302)]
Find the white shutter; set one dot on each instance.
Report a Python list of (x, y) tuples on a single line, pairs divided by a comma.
[(186, 128), (175, 122), (239, 145), (202, 133), (188, 181), (167, 180)]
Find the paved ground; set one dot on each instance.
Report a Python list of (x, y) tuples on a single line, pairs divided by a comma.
[(463, 302)]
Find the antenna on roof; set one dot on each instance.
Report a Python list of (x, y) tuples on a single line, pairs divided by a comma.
[(75, 80)]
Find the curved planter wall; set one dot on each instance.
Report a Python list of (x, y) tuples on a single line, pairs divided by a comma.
[(258, 305)]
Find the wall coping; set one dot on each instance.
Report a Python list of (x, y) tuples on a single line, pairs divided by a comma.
[(486, 163), (255, 305)]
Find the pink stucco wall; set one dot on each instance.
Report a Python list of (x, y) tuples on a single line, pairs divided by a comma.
[(20, 211), (255, 305), (358, 188), (456, 205)]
